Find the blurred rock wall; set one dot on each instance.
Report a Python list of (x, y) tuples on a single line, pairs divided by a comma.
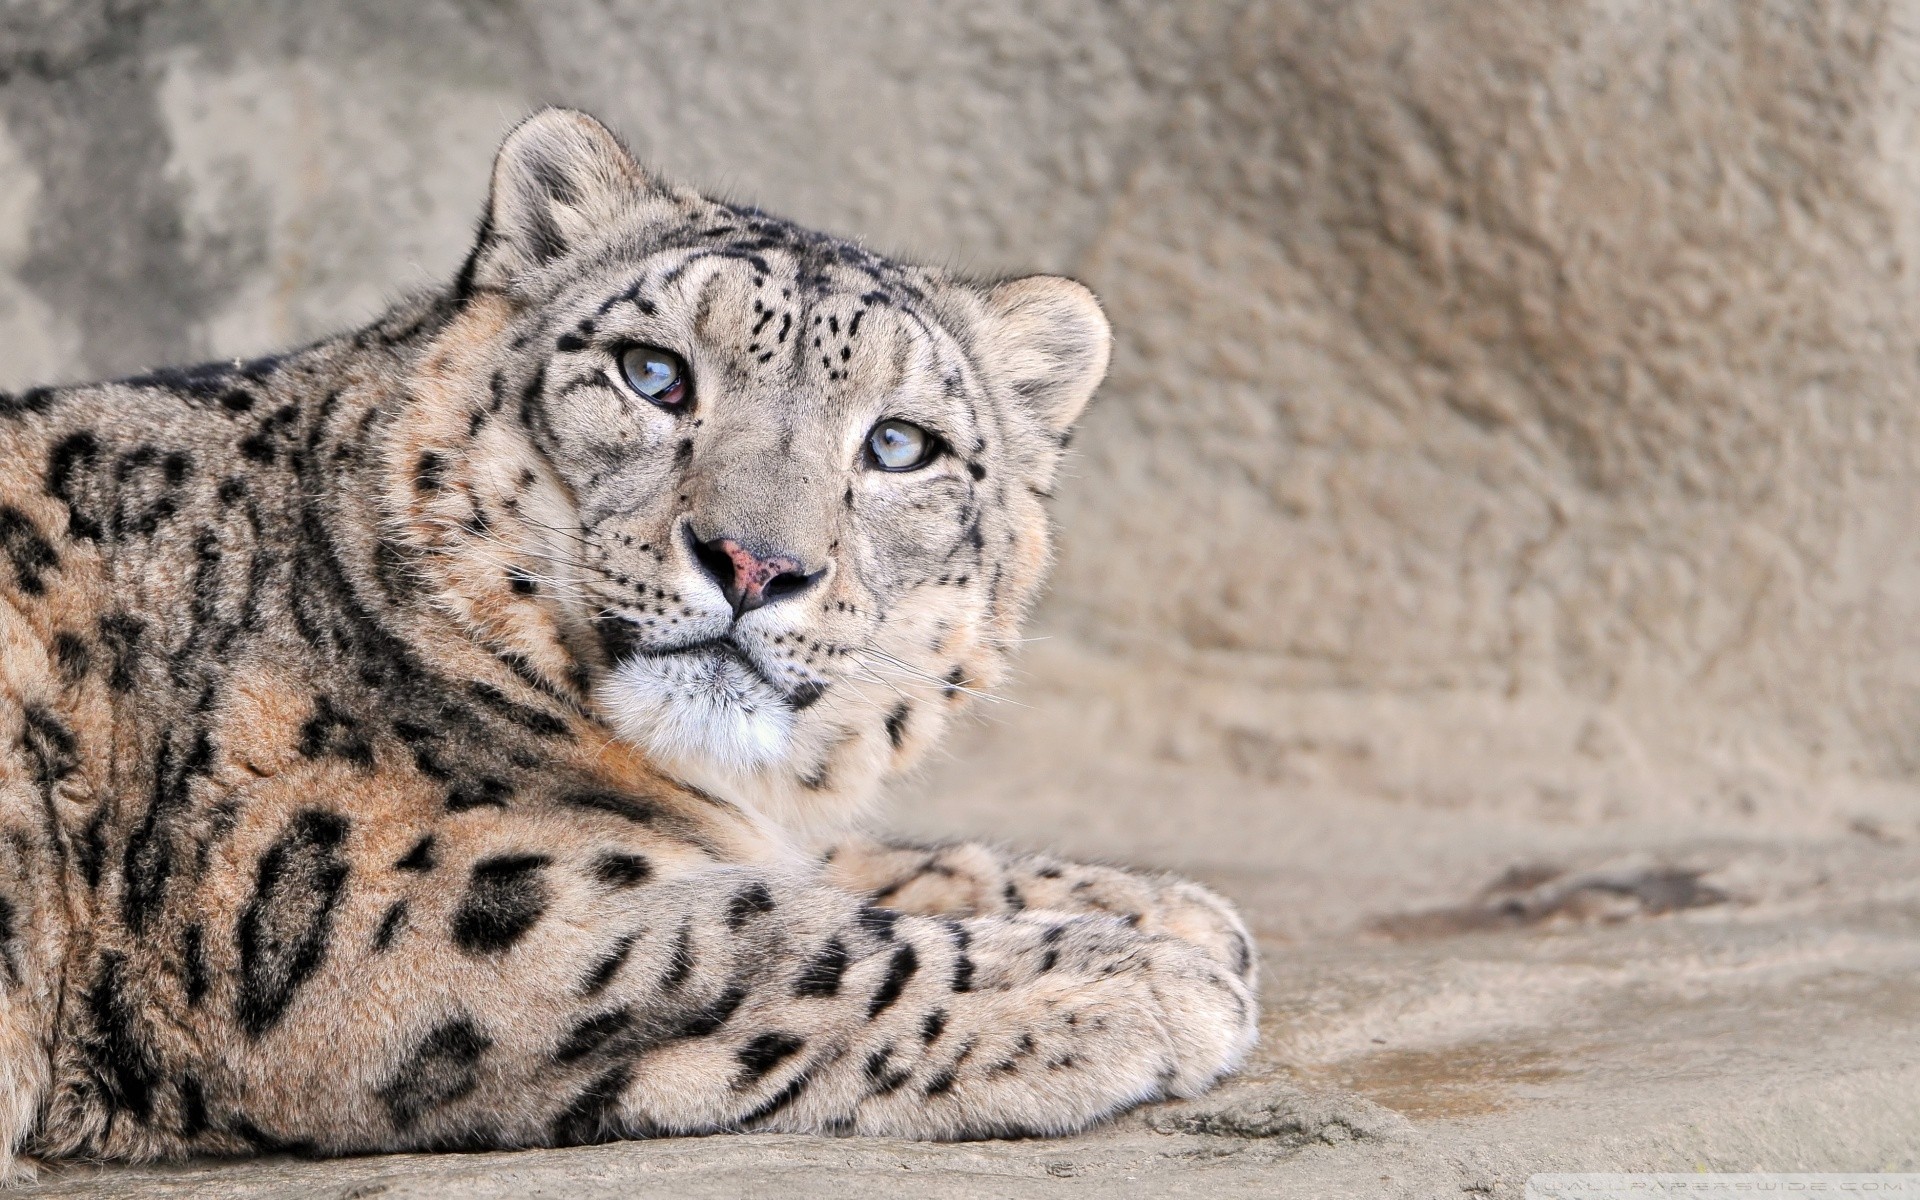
[(1514, 402)]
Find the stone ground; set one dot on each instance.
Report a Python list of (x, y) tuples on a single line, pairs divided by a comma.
[(1454, 999)]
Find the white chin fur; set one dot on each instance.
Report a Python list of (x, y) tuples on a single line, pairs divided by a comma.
[(701, 707)]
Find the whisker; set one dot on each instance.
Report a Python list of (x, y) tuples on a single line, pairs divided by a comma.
[(936, 686), (869, 677), (555, 529), (936, 680)]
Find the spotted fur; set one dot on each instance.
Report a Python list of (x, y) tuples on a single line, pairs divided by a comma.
[(384, 771)]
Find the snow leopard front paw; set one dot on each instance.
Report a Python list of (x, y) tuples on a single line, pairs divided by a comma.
[(973, 879), (1209, 1012), (1162, 905)]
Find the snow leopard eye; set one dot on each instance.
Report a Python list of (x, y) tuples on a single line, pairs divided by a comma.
[(898, 446), (657, 374)]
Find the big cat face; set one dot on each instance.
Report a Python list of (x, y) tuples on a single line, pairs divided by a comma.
[(777, 497)]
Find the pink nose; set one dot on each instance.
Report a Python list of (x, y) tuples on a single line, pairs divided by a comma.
[(750, 580)]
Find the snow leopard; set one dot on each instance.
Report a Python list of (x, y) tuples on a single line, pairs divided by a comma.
[(459, 733)]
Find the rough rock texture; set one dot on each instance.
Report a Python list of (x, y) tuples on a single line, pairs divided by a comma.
[(1494, 559)]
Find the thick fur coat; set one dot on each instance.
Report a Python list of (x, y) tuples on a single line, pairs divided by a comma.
[(430, 738)]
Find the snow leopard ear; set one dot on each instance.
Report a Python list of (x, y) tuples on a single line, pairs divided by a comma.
[(1050, 341), (559, 177)]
